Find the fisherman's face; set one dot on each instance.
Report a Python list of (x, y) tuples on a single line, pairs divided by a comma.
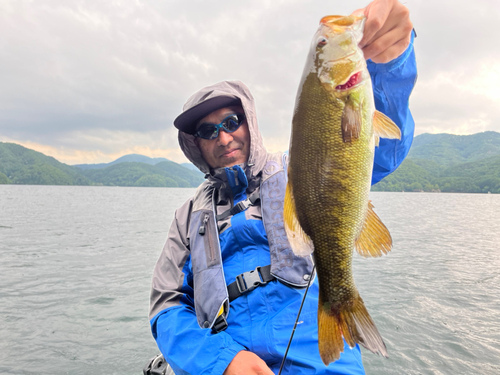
[(227, 149)]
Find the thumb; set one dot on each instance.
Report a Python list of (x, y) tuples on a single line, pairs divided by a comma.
[(358, 12), (361, 12)]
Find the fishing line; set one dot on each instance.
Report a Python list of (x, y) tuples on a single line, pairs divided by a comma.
[(296, 320)]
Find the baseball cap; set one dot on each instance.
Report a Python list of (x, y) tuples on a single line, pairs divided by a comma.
[(197, 108)]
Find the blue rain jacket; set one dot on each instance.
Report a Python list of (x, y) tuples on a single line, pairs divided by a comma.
[(262, 320)]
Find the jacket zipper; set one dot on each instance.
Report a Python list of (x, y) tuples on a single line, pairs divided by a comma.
[(204, 229), (236, 181), (204, 225)]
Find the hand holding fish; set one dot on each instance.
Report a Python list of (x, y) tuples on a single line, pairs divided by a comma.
[(387, 31), (247, 363)]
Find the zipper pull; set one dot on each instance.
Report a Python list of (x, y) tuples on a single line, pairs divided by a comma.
[(201, 231), (236, 181)]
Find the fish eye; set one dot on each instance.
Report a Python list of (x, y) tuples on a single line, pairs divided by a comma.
[(321, 41)]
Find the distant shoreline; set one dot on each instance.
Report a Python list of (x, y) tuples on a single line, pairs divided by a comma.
[(174, 187)]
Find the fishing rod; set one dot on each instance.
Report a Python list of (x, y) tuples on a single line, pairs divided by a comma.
[(296, 320)]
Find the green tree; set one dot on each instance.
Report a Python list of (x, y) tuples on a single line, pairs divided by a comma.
[(4, 179)]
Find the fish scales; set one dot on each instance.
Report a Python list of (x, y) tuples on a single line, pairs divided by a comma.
[(334, 190), (334, 132)]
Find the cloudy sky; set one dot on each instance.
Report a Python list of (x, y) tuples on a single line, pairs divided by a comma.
[(87, 81)]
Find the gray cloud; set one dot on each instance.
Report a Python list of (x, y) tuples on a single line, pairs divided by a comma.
[(105, 77)]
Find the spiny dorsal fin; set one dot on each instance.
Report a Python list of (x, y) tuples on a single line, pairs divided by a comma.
[(300, 242), (374, 239), (384, 127)]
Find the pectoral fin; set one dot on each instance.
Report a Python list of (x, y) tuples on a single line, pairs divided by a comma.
[(384, 127), (375, 239), (300, 242)]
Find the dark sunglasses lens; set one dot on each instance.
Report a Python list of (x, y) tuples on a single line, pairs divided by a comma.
[(211, 131), (208, 131), (232, 123)]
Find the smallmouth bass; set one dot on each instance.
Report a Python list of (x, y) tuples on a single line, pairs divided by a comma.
[(327, 212)]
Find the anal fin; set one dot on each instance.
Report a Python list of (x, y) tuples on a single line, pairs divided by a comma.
[(374, 239)]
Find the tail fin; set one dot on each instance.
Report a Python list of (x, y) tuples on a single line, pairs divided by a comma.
[(353, 323)]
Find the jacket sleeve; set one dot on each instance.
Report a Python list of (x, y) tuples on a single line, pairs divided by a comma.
[(392, 85), (188, 348)]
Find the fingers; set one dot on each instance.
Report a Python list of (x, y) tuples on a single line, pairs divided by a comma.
[(247, 363), (389, 45), (359, 12), (387, 30), (399, 19), (392, 52), (376, 14)]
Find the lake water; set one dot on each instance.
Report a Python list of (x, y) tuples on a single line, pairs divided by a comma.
[(76, 264)]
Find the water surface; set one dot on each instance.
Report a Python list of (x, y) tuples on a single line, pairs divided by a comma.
[(76, 265)]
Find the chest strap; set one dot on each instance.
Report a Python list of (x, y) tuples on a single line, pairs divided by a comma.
[(245, 282), (248, 281), (240, 206)]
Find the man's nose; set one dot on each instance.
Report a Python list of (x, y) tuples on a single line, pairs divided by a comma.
[(224, 138)]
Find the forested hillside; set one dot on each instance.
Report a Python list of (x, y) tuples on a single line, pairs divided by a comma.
[(164, 174), (20, 165), (436, 162), (449, 163), (451, 149)]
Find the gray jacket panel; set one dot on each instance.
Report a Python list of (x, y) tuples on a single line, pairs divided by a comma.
[(285, 265), (168, 277)]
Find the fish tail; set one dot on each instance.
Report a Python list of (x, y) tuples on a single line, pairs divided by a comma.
[(353, 323), (330, 341)]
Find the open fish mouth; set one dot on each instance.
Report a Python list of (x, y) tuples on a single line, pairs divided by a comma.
[(353, 81)]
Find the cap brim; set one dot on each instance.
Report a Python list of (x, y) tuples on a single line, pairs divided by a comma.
[(187, 120)]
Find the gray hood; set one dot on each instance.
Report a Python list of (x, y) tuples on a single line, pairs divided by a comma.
[(238, 90)]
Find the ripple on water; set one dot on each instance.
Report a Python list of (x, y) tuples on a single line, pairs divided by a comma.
[(75, 280), (100, 301)]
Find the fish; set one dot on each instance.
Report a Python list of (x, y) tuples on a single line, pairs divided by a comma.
[(327, 211)]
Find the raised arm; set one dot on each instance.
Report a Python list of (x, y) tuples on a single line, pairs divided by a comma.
[(388, 47)]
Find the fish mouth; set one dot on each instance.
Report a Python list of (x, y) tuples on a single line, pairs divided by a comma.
[(353, 81)]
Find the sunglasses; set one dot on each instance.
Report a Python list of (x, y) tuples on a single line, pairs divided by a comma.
[(211, 131)]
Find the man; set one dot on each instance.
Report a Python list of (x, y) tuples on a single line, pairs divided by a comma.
[(226, 289)]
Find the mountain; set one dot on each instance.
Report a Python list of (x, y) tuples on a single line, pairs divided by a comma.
[(451, 149), (130, 158), (436, 162), (449, 163), (20, 165), (163, 174), (190, 166), (4, 179)]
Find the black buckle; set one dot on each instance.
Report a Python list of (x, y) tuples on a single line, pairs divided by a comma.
[(250, 280), (240, 207), (220, 324), (156, 366)]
